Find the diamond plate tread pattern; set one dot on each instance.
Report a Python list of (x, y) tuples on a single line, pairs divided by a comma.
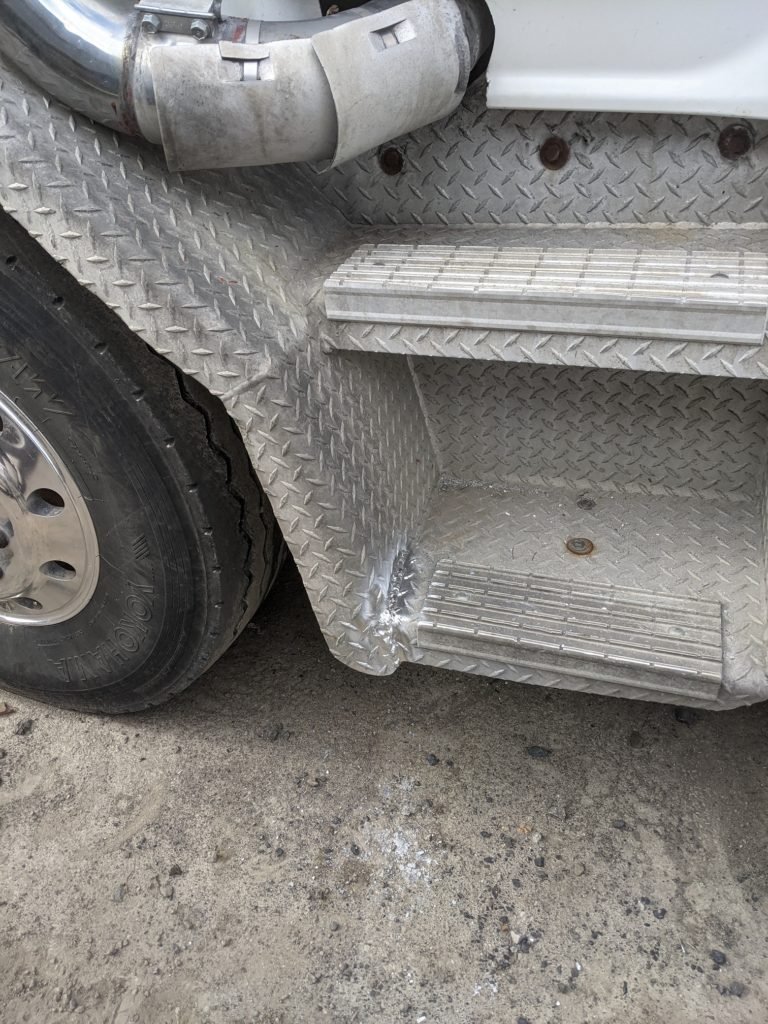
[(613, 633), (676, 545), (647, 433), (482, 167), (216, 271), (566, 348)]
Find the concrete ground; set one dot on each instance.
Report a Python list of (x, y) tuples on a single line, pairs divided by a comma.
[(293, 842)]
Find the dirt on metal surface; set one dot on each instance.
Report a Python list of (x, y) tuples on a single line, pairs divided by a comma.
[(293, 842)]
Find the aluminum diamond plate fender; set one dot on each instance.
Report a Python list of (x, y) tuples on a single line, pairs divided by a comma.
[(217, 272)]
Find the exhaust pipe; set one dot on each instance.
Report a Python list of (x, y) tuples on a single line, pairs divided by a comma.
[(233, 92)]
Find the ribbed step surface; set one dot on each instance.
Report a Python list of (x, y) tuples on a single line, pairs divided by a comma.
[(616, 634), (713, 297)]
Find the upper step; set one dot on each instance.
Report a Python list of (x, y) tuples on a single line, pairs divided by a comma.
[(691, 309), (633, 293)]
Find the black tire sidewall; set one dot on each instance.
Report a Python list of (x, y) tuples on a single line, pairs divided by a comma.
[(156, 592)]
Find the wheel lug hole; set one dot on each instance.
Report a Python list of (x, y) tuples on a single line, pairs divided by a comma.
[(45, 502), (57, 570), (6, 532)]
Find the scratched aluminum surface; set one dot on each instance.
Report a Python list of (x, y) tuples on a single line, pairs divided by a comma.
[(216, 272)]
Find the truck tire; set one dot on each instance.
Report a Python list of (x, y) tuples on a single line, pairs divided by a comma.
[(135, 541)]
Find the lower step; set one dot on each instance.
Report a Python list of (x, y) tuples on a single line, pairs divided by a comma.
[(614, 634)]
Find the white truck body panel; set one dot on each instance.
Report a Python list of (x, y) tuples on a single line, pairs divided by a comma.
[(685, 57)]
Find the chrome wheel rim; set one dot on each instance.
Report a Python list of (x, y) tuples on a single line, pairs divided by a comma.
[(49, 554)]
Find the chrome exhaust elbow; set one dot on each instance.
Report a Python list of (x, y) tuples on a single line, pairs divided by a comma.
[(234, 92)]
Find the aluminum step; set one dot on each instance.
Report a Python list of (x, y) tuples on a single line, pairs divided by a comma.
[(715, 297), (620, 635)]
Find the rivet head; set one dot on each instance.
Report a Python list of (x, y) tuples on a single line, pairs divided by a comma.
[(391, 161), (579, 546), (735, 141), (554, 153)]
